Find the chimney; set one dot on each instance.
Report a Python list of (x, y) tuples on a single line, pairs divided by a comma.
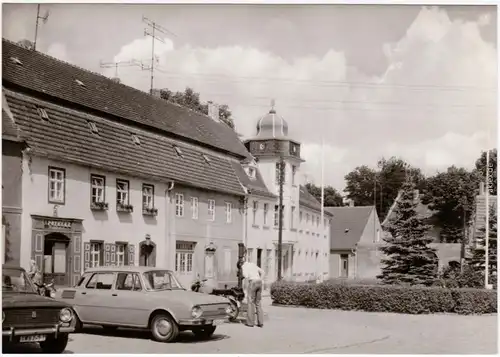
[(213, 111), (481, 188), (156, 93), (116, 80)]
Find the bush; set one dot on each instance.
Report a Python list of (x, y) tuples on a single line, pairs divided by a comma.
[(384, 298)]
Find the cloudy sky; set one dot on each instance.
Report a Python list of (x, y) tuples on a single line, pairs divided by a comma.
[(374, 80)]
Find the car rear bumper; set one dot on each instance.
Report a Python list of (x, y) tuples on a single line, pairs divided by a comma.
[(203, 321), (55, 330)]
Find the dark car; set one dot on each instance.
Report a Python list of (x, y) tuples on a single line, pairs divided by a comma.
[(28, 317)]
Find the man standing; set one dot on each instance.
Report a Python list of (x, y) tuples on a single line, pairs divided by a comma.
[(253, 274)]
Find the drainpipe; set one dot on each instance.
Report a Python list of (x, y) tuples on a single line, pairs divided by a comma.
[(168, 230), (354, 252)]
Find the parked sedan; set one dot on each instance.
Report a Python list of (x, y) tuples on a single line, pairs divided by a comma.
[(144, 297), (28, 317)]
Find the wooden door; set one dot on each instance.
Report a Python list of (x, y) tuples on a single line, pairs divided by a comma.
[(344, 266)]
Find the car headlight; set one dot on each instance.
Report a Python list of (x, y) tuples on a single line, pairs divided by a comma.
[(66, 315), (196, 312), (3, 316)]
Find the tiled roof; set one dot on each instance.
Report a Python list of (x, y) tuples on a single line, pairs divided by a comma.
[(347, 226), (309, 201), (9, 129), (66, 136), (257, 185), (51, 77)]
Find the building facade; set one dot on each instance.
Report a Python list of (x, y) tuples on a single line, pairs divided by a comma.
[(113, 176), (12, 147), (304, 238)]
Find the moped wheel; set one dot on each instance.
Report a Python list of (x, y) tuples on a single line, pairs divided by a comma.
[(235, 311)]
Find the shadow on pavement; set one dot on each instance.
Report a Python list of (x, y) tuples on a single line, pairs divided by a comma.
[(184, 336), (26, 348)]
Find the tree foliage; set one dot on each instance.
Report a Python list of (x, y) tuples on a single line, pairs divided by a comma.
[(451, 195), (481, 170), (332, 196), (191, 99), (366, 186), (409, 258)]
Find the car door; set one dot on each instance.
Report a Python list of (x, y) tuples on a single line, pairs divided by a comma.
[(96, 300), (130, 300)]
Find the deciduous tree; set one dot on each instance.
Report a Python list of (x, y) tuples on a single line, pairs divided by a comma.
[(408, 257), (332, 196)]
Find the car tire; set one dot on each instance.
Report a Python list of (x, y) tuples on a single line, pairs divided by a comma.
[(164, 328), (204, 332), (78, 324), (235, 311), (55, 345)]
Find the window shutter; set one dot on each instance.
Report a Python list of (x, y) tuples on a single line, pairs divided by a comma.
[(113, 254), (86, 255), (77, 257), (37, 249), (107, 254), (131, 254)]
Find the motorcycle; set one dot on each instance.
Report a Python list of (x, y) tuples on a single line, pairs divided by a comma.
[(234, 295), (47, 289)]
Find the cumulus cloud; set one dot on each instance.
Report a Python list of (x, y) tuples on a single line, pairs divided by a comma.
[(434, 105)]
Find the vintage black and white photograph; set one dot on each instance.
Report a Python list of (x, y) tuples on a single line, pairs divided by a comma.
[(249, 178)]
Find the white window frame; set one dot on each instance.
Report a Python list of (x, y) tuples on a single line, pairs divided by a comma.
[(294, 172), (266, 210), (98, 185), (95, 254), (122, 194), (179, 205), (121, 251), (57, 178), (229, 211), (147, 196), (184, 255), (211, 210), (194, 207), (255, 208)]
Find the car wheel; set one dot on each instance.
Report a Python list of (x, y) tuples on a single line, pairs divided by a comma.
[(55, 345), (164, 328), (235, 311), (204, 332)]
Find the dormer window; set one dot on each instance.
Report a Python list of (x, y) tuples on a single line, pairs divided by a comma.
[(136, 139), (80, 83), (16, 61), (178, 151), (93, 127), (251, 172), (42, 113)]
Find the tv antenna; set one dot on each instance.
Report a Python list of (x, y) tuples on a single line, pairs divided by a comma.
[(117, 64), (152, 32), (38, 17)]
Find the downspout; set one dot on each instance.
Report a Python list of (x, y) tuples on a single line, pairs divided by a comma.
[(354, 252), (168, 230)]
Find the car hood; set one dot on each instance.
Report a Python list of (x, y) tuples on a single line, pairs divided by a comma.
[(193, 298), (21, 300)]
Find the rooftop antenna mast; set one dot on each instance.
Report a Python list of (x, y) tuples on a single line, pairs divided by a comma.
[(153, 28), (117, 64), (38, 17)]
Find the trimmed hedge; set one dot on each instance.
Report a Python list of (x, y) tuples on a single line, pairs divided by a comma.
[(385, 298)]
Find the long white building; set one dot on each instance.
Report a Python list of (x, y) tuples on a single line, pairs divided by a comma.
[(305, 242)]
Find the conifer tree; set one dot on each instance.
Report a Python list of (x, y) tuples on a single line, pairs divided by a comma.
[(409, 258)]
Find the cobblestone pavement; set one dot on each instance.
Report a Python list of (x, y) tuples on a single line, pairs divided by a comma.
[(299, 330)]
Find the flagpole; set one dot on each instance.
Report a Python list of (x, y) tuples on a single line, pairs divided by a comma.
[(322, 189), (487, 230)]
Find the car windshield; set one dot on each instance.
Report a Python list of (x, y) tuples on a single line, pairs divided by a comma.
[(15, 280), (161, 280)]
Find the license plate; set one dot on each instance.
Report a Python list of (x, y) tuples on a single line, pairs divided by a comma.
[(218, 322), (32, 338)]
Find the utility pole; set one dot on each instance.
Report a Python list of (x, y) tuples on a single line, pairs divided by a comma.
[(280, 214), (152, 32), (130, 63), (464, 236), (38, 17), (487, 230)]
